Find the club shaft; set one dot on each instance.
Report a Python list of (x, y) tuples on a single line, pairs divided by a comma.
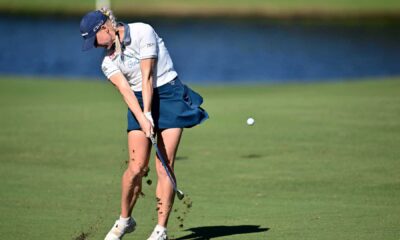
[(164, 163)]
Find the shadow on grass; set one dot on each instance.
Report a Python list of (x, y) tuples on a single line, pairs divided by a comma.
[(210, 232), (250, 156)]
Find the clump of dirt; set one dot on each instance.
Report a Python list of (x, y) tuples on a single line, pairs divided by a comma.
[(184, 210), (149, 181), (82, 236), (146, 172)]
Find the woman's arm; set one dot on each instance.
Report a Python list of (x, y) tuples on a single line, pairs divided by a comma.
[(122, 85), (147, 69)]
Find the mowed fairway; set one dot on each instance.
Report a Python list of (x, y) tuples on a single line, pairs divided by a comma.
[(321, 162)]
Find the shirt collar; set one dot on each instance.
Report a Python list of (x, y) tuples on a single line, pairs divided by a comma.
[(127, 34)]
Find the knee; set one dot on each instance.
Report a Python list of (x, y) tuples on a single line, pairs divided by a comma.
[(136, 171)]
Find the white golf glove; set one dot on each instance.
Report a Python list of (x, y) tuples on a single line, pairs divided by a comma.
[(149, 117)]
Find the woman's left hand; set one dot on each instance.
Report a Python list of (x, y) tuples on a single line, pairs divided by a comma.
[(149, 117), (146, 126)]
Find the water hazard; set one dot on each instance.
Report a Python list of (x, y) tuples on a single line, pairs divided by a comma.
[(206, 51)]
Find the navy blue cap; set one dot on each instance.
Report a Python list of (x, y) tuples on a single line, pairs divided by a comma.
[(90, 25)]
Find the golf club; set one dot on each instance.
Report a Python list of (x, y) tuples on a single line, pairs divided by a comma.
[(179, 193)]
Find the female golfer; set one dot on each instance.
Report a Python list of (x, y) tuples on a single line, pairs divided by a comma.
[(138, 64)]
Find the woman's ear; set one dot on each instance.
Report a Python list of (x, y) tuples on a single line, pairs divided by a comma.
[(105, 28)]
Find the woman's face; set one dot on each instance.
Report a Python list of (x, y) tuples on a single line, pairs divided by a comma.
[(105, 37)]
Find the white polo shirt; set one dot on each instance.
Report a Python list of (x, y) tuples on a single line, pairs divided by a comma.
[(140, 42)]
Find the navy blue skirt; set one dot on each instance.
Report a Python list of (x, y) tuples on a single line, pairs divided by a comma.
[(174, 106)]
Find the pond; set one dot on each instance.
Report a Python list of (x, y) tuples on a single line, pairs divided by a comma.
[(207, 51)]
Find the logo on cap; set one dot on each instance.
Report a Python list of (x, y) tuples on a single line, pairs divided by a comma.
[(98, 26)]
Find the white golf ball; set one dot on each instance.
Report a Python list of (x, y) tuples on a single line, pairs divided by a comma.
[(250, 121)]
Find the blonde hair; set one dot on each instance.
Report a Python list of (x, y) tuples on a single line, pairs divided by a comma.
[(110, 15)]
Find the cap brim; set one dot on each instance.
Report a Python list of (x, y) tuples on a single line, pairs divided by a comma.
[(88, 43)]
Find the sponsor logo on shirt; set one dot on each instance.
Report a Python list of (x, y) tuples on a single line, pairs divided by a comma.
[(132, 63)]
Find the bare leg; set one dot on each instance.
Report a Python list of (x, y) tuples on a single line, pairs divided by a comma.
[(168, 142), (139, 152)]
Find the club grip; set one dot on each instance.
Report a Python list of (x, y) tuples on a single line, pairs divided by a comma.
[(152, 139)]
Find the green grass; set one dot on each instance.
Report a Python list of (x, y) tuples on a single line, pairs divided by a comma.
[(208, 7), (321, 162)]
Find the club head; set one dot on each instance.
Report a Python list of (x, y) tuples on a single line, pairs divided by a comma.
[(180, 194)]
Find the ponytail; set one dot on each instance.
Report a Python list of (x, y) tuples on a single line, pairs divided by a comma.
[(110, 15)]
